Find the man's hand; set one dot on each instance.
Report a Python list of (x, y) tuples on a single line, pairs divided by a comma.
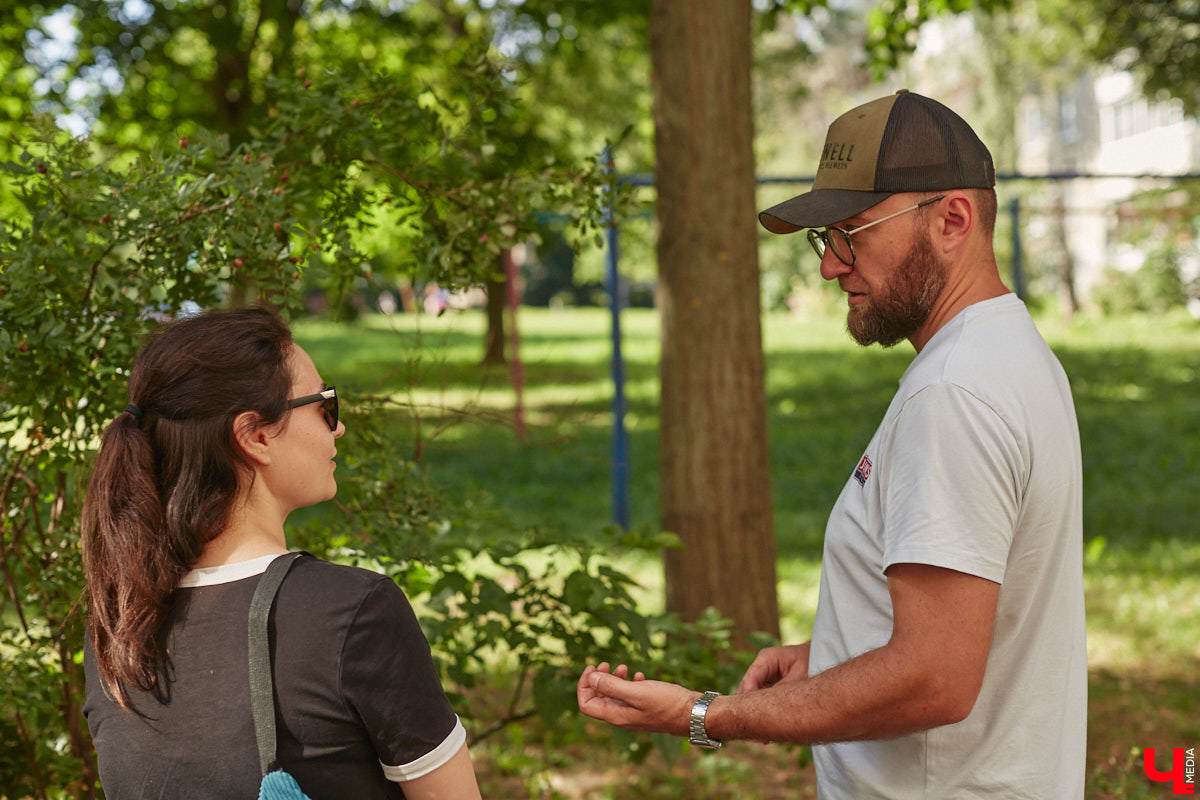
[(637, 704), (775, 665)]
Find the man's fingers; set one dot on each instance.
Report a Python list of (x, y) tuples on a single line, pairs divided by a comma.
[(605, 684), (616, 688), (761, 673), (749, 683)]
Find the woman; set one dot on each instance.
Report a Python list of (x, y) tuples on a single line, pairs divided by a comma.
[(229, 430)]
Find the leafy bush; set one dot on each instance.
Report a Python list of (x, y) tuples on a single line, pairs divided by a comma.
[(1160, 222), (532, 605), (96, 251), (1155, 287)]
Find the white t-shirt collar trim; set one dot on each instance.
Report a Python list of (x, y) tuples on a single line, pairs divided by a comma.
[(226, 573)]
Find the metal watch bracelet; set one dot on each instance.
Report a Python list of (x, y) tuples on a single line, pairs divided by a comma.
[(698, 735)]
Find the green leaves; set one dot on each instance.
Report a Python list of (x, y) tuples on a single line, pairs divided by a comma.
[(510, 612), (353, 170), (892, 26)]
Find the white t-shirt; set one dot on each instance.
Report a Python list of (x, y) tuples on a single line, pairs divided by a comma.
[(976, 467)]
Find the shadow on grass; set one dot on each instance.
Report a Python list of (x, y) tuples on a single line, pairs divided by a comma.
[(1131, 710), (1139, 421)]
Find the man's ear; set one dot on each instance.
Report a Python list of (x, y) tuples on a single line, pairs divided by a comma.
[(252, 437), (956, 221)]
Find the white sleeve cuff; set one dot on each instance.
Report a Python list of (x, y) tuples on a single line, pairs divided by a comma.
[(431, 760)]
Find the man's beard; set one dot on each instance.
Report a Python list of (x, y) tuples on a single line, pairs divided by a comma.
[(902, 306)]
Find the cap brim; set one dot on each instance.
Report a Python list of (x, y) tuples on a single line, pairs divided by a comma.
[(818, 208)]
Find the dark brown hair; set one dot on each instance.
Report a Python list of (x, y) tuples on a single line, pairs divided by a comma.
[(167, 476)]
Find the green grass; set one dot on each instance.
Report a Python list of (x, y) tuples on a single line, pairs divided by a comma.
[(1136, 392)]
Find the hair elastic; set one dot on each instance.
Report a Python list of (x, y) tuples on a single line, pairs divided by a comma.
[(135, 411)]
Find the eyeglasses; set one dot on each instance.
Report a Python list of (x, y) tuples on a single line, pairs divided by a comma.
[(838, 239), (329, 405)]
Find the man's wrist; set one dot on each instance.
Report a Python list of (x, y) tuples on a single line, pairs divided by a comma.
[(697, 729)]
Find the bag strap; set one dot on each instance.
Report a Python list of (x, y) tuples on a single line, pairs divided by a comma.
[(262, 684)]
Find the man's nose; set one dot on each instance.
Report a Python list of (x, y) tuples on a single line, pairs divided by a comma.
[(831, 266)]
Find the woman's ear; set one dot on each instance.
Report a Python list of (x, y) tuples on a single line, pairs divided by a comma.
[(252, 438)]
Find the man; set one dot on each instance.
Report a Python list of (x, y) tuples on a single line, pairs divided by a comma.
[(948, 654)]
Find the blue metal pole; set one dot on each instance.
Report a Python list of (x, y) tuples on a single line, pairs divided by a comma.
[(1014, 211), (620, 438)]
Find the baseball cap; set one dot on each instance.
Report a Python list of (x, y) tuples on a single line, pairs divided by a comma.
[(901, 143)]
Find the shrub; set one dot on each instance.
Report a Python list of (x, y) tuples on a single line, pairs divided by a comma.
[(97, 251)]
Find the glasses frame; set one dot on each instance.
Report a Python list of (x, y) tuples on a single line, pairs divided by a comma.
[(328, 399), (820, 239)]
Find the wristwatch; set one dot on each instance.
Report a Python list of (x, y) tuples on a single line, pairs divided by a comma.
[(698, 735)]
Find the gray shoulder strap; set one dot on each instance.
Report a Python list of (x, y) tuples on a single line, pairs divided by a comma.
[(262, 684)]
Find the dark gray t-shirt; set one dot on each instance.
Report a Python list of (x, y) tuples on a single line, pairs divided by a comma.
[(358, 700)]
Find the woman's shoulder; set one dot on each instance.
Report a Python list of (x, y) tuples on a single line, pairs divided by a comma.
[(325, 582), (331, 601), (309, 567)]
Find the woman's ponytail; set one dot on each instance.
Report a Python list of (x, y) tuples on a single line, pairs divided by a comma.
[(167, 477), (124, 560)]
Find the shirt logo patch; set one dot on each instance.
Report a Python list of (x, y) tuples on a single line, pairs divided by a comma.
[(863, 471)]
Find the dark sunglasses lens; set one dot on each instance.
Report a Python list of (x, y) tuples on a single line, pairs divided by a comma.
[(329, 406)]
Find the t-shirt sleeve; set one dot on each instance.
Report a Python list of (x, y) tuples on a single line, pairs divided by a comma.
[(389, 680), (953, 484)]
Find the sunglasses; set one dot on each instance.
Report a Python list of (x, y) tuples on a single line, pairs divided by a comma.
[(329, 405)]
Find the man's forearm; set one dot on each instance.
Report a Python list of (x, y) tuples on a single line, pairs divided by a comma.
[(881, 694)]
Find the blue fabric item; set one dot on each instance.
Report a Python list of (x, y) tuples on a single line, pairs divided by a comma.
[(279, 785)]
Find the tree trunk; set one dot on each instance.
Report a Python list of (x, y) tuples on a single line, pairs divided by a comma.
[(1068, 301), (716, 489), (493, 345), (1062, 157)]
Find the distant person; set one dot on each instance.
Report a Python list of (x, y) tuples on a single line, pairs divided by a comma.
[(948, 655), (436, 299), (229, 429)]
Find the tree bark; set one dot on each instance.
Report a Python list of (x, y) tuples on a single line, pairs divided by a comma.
[(715, 474), (493, 344), (1062, 157)]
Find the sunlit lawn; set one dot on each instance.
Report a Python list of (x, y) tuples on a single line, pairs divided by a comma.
[(1136, 390)]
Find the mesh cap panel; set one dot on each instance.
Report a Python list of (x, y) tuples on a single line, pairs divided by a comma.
[(927, 147)]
